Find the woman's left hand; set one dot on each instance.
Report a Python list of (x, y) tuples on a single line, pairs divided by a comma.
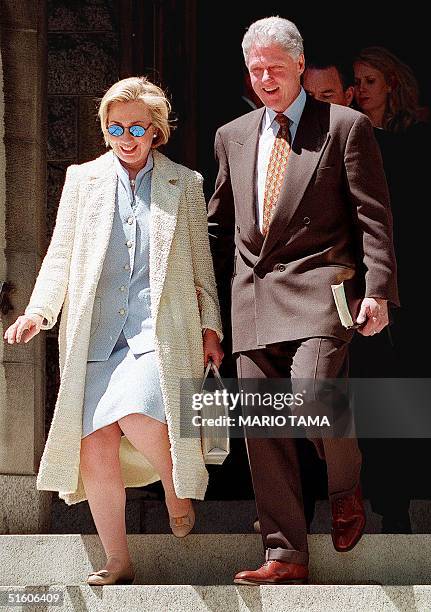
[(212, 348)]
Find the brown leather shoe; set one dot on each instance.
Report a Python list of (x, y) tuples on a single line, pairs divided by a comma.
[(182, 525), (348, 520), (274, 572)]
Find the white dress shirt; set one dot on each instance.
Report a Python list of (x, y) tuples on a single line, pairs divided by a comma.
[(268, 131)]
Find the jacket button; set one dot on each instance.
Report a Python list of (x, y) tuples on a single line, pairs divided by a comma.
[(129, 244), (130, 220), (307, 220), (280, 267), (122, 311), (127, 267), (122, 288)]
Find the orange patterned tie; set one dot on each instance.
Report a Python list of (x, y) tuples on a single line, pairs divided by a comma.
[(276, 169)]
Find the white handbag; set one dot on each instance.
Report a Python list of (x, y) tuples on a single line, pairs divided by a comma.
[(214, 438)]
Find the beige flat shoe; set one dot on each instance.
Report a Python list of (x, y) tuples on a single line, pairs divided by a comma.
[(103, 577), (182, 525)]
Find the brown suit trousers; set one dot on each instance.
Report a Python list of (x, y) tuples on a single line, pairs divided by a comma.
[(274, 462)]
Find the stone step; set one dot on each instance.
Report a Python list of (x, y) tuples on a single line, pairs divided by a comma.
[(145, 515), (187, 598), (211, 559)]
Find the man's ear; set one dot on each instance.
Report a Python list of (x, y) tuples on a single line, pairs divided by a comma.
[(348, 95), (301, 63)]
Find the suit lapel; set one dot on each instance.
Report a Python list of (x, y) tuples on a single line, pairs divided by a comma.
[(98, 194), (308, 146), (100, 197), (165, 198), (243, 165)]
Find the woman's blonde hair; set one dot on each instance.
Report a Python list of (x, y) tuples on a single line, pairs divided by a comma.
[(139, 88), (403, 100)]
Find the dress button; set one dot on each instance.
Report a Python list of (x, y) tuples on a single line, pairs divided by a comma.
[(130, 220), (280, 267), (122, 311), (127, 267), (122, 288), (129, 244), (307, 220)]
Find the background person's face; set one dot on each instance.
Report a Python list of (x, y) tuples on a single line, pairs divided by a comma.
[(371, 89), (275, 76), (325, 84), (133, 152)]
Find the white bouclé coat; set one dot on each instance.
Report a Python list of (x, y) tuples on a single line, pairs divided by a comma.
[(180, 269)]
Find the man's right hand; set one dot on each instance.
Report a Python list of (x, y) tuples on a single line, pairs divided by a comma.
[(24, 329), (374, 314)]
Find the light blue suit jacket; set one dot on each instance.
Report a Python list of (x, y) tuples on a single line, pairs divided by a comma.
[(122, 301)]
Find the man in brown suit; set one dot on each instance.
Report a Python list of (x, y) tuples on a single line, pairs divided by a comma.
[(301, 196)]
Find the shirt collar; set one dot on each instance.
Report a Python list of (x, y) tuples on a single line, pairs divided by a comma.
[(293, 112), (123, 174)]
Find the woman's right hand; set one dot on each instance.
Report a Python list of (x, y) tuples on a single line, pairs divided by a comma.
[(25, 328)]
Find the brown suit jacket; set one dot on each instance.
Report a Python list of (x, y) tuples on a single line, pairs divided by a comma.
[(332, 222)]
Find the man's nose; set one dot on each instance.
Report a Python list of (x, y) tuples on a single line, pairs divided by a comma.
[(266, 76)]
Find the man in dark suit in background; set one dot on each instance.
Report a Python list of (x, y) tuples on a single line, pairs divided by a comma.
[(329, 80), (302, 196)]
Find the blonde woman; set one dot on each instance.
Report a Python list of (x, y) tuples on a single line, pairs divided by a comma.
[(386, 90), (129, 263)]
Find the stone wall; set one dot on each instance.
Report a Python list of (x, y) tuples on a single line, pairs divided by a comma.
[(23, 49), (83, 61), (2, 233), (62, 83)]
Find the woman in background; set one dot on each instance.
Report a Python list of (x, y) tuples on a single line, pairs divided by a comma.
[(386, 90)]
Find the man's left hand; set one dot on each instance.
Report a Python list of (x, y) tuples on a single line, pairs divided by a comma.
[(375, 312)]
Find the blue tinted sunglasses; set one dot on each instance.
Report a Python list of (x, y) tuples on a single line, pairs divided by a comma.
[(136, 130)]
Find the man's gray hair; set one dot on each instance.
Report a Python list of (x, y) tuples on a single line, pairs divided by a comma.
[(273, 30)]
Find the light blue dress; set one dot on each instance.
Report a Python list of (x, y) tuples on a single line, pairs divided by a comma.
[(122, 374)]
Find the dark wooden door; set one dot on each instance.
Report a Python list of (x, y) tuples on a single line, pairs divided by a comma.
[(158, 39)]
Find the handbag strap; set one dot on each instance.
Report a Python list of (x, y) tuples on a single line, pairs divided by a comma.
[(212, 366)]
